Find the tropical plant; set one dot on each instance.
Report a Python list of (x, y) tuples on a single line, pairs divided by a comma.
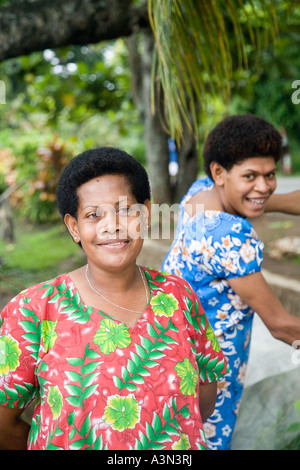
[(194, 54), (294, 444)]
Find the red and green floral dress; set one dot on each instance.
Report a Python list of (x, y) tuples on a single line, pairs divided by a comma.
[(102, 385)]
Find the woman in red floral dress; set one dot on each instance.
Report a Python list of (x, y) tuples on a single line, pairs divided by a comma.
[(119, 356)]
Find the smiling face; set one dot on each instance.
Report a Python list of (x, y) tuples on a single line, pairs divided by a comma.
[(108, 224), (245, 189)]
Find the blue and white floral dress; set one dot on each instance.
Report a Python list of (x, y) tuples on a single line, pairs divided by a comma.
[(208, 249)]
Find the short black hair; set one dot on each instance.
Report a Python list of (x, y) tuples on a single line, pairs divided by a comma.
[(239, 137), (98, 162)]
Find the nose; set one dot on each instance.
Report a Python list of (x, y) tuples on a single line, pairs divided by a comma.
[(262, 184), (111, 223), (108, 222)]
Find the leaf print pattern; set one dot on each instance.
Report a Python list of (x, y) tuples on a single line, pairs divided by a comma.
[(55, 401), (122, 412), (99, 384), (49, 334), (159, 432), (111, 336), (164, 304), (183, 443), (81, 382), (210, 335), (9, 354), (147, 356), (189, 377)]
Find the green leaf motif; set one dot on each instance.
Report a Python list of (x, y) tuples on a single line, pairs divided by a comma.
[(164, 304), (9, 354), (158, 432), (160, 277), (146, 357), (189, 377), (49, 334), (122, 412), (183, 443), (111, 336), (68, 303), (85, 376), (55, 401), (210, 335)]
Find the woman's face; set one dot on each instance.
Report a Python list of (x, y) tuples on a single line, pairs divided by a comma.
[(247, 186), (109, 222)]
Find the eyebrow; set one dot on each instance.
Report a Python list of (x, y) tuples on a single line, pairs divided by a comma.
[(255, 171), (94, 206)]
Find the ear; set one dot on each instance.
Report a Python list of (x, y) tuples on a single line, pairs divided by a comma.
[(147, 212), (218, 173), (71, 224)]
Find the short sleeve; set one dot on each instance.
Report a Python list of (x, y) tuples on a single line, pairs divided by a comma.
[(211, 361), (228, 249), (19, 346)]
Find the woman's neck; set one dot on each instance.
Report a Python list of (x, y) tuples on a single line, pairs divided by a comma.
[(114, 280)]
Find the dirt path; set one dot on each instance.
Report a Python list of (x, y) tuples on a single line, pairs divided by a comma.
[(271, 227)]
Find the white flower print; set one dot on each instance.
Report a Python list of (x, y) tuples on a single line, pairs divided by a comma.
[(247, 251), (219, 284), (237, 302), (226, 242), (204, 247), (213, 301), (236, 227)]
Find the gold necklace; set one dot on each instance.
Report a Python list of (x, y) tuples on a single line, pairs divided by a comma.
[(115, 305)]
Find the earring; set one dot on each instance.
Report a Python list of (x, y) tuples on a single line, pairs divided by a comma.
[(75, 239)]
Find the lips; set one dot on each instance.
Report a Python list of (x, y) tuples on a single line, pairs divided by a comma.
[(114, 243)]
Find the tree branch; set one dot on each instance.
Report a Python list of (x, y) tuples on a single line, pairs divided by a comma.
[(26, 27)]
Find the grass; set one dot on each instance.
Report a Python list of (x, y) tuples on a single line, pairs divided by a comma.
[(37, 254)]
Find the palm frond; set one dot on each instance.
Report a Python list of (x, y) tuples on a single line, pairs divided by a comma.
[(197, 43)]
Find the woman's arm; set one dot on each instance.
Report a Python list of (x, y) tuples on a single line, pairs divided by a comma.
[(287, 203), (257, 293), (207, 399), (13, 430)]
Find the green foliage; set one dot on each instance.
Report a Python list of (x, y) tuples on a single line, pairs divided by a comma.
[(34, 167), (198, 48), (38, 249), (266, 89), (37, 254), (81, 94), (294, 444), (70, 83)]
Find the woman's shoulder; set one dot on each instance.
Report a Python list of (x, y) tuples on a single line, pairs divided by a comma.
[(223, 224), (60, 280), (201, 184), (36, 292)]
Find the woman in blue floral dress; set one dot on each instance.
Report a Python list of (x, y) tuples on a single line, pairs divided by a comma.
[(217, 251)]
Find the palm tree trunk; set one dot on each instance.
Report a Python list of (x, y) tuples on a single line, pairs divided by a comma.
[(156, 137)]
